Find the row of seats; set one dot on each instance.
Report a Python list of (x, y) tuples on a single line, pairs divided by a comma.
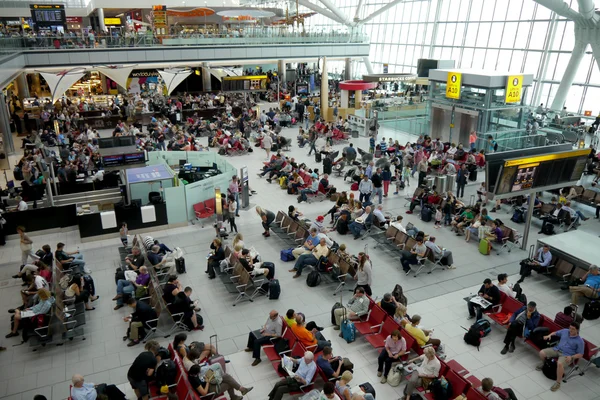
[(238, 281), (183, 388), (205, 209), (508, 306)]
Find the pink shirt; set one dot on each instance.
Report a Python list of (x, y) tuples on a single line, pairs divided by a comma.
[(234, 187), (395, 347)]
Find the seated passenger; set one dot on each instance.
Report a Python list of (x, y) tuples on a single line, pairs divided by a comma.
[(328, 392), (522, 322), (35, 282), (429, 368), (311, 241), (308, 338), (395, 348), (422, 336), (591, 284), (356, 307), (69, 259), (214, 259), (88, 391), (303, 376), (540, 263), (553, 217), (488, 291), (46, 300), (569, 348), (203, 387), (131, 286), (361, 223), (409, 257), (344, 389), (312, 258), (159, 260), (332, 366), (135, 260), (509, 290), (462, 220), (273, 328), (254, 267), (186, 306), (163, 248), (439, 253), (488, 390), (77, 292), (143, 317)]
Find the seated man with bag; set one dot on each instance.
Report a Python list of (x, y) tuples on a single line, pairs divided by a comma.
[(212, 379), (522, 322), (361, 223), (139, 286), (311, 241), (357, 307), (309, 338), (89, 391), (333, 367), (138, 320), (591, 283), (273, 328), (303, 376), (312, 258), (542, 260), (570, 348), (488, 291), (160, 261)]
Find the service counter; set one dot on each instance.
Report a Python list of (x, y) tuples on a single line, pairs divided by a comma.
[(40, 219), (91, 224)]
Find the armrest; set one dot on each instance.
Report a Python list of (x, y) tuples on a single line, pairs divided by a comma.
[(208, 396), (497, 308), (38, 331), (179, 315), (147, 323), (376, 326), (314, 346)]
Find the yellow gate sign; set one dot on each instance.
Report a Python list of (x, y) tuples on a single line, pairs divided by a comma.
[(453, 85), (514, 85)]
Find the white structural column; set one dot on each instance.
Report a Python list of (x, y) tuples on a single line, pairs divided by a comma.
[(281, 71), (206, 77), (543, 69), (324, 89), (368, 64), (436, 22), (569, 76), (358, 9), (320, 10), (348, 69), (101, 20), (381, 10), (9, 146), (344, 98), (331, 7)]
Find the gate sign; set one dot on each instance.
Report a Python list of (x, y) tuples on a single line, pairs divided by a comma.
[(514, 84), (453, 85)]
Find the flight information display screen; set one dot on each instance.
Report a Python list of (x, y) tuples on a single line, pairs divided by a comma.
[(48, 14)]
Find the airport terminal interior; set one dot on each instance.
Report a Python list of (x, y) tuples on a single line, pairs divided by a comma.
[(229, 170)]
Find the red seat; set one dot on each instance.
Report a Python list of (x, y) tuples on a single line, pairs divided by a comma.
[(210, 204), (507, 305), (474, 381), (410, 342), (456, 367), (474, 394), (377, 340), (459, 384), (373, 322)]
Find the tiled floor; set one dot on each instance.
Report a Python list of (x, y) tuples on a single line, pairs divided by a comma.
[(103, 356)]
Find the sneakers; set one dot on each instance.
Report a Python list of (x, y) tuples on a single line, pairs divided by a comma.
[(555, 387), (504, 350), (395, 192), (379, 373), (383, 380), (133, 343), (451, 267)]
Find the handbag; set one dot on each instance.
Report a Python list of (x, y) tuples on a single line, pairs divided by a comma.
[(26, 246), (141, 291)]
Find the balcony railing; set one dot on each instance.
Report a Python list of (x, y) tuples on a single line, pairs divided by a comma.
[(69, 41)]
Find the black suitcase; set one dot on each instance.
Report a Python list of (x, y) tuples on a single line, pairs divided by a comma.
[(18, 174), (318, 157), (591, 310), (367, 388), (274, 289), (473, 175), (271, 267), (426, 214), (180, 265), (327, 166), (88, 284)]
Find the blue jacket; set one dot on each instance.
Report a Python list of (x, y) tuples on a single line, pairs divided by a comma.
[(531, 323)]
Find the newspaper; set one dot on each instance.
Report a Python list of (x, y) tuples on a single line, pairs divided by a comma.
[(288, 365), (130, 275), (27, 314), (480, 301)]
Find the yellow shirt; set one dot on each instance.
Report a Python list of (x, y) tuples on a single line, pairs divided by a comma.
[(418, 334), (290, 321)]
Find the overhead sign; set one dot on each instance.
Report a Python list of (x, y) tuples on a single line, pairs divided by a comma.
[(48, 14), (385, 68), (514, 86), (453, 84), (112, 21), (74, 20)]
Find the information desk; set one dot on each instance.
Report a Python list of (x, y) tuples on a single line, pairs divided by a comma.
[(91, 225), (581, 248), (39, 219)]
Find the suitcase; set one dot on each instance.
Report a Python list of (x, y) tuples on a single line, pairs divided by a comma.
[(327, 166), (18, 174), (367, 388), (335, 307), (217, 358), (591, 310), (426, 214), (274, 289), (88, 284), (484, 247), (347, 329), (318, 157), (180, 265)]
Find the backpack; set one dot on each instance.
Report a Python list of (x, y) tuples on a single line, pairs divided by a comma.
[(283, 181), (591, 310), (441, 389), (548, 229), (549, 368), (518, 216), (286, 255), (503, 394), (478, 330), (313, 279), (163, 353), (426, 214), (166, 372), (64, 281)]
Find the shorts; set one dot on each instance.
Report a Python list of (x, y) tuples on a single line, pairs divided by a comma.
[(142, 386), (551, 353)]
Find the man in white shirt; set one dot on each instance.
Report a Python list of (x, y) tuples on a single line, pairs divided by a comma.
[(398, 224), (273, 328), (504, 287), (22, 206), (378, 213)]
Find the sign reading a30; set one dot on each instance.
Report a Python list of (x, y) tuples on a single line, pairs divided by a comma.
[(453, 85)]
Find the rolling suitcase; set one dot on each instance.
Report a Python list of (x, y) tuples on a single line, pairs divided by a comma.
[(180, 265), (217, 358), (484, 247), (274, 289), (318, 157)]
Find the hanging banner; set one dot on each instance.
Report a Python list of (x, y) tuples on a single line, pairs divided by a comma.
[(117, 74), (385, 68), (173, 77), (514, 85), (60, 82), (453, 84)]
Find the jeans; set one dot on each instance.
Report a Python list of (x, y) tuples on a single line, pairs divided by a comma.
[(303, 261), (312, 148), (321, 341), (406, 259), (356, 228), (379, 193), (460, 190), (475, 310), (304, 192), (124, 287), (162, 146), (384, 363), (282, 387), (365, 197)]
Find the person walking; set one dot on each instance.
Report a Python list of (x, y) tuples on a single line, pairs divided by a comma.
[(386, 177), (461, 181), (377, 182), (232, 208), (26, 246)]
